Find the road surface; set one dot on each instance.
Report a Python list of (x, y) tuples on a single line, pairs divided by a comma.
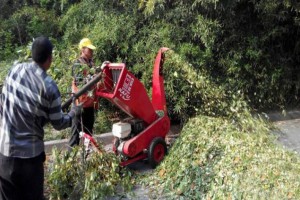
[(289, 134)]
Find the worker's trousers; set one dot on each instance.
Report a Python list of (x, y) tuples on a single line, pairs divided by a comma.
[(22, 179), (85, 122)]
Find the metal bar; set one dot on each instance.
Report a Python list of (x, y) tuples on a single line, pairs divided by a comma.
[(84, 89)]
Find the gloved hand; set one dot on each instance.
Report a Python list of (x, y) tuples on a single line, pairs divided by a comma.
[(75, 111), (104, 64)]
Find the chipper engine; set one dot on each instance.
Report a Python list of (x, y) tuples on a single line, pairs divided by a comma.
[(142, 134)]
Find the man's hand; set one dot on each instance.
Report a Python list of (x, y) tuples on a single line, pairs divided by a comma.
[(75, 110), (74, 113), (104, 64), (100, 68)]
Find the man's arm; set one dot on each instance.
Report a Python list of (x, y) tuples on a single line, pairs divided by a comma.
[(58, 119)]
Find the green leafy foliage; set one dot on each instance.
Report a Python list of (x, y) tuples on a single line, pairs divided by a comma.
[(61, 69), (23, 26), (71, 177), (250, 45), (5, 67), (225, 55), (190, 92), (215, 158), (255, 46), (104, 121), (245, 46)]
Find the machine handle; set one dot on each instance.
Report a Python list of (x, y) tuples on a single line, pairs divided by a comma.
[(84, 89)]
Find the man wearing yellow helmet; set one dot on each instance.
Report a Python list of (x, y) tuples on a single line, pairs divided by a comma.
[(82, 72), (86, 47)]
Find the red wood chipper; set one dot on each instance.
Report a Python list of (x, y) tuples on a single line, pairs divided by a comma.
[(142, 134)]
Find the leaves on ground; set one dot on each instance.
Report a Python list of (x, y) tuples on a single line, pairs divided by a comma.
[(217, 158), (69, 176)]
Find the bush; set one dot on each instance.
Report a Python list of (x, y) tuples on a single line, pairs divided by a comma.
[(23, 26)]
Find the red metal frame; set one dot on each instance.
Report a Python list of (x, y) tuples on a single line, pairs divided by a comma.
[(141, 156), (92, 141), (128, 93), (158, 90), (124, 90)]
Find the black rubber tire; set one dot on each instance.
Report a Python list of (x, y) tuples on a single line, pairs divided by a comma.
[(157, 151)]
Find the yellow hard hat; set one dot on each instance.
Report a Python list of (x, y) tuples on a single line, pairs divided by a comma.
[(86, 42)]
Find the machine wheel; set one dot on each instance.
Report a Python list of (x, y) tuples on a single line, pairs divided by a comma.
[(157, 151)]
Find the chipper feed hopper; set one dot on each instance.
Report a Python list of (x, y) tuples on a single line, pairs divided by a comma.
[(142, 134)]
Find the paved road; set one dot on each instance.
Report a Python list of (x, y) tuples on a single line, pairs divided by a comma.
[(288, 125), (289, 133)]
